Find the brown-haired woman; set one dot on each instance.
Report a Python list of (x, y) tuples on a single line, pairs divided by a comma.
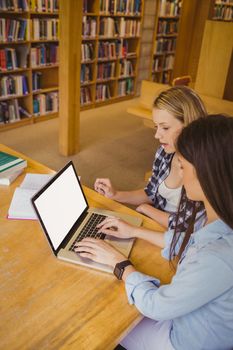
[(194, 311)]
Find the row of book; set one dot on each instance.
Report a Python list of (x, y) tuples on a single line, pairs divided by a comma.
[(167, 27), (18, 29), (164, 77), (163, 63), (126, 68), (223, 12), (15, 58), (11, 111), (45, 29), (36, 81), (126, 7), (106, 70), (44, 55), (87, 52), (107, 50), (14, 5), (114, 49), (14, 29), (165, 45), (44, 5), (89, 26), (35, 5), (13, 85), (170, 8), (11, 58), (85, 96), (110, 27), (103, 92), (45, 103), (125, 87), (86, 73)]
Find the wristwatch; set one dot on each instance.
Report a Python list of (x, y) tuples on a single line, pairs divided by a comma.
[(120, 268)]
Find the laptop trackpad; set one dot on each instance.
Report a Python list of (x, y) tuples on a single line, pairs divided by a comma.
[(74, 258), (122, 245)]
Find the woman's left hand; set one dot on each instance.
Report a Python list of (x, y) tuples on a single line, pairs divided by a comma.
[(99, 251)]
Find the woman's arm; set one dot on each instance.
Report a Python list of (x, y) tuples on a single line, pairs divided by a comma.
[(156, 214), (118, 228), (136, 197)]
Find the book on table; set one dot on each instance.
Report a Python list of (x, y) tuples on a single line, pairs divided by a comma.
[(7, 177), (21, 207), (10, 163)]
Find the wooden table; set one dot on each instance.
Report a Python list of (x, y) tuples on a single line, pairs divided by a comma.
[(49, 304)]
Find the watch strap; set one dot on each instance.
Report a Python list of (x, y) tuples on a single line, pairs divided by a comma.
[(120, 268)]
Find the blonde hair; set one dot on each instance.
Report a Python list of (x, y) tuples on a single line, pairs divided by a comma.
[(182, 102)]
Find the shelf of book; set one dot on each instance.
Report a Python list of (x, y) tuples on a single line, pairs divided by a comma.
[(111, 34), (165, 37), (29, 33), (223, 11)]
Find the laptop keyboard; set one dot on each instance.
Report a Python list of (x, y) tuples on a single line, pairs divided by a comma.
[(90, 230)]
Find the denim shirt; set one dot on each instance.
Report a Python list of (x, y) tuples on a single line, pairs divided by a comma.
[(199, 299)]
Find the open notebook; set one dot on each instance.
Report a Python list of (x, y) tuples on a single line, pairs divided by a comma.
[(21, 206)]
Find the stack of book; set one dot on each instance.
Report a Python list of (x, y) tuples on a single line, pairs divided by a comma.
[(10, 168)]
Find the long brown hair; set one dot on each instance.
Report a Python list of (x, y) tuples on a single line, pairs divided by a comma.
[(207, 143)]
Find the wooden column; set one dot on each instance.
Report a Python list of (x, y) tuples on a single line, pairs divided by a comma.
[(69, 76), (191, 31), (215, 59)]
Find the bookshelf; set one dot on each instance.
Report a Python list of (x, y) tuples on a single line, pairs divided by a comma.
[(165, 40), (111, 34), (29, 56), (223, 10)]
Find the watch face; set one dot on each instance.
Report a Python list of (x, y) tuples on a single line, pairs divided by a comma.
[(118, 272)]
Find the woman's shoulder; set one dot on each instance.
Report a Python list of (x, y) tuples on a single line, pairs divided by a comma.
[(216, 240)]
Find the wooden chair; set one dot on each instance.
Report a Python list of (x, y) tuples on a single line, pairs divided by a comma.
[(184, 80)]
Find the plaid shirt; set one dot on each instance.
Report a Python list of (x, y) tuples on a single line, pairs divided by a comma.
[(161, 169)]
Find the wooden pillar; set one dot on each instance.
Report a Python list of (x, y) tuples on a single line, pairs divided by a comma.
[(194, 14), (215, 59), (69, 76)]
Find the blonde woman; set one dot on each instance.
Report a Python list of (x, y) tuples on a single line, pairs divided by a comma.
[(173, 109)]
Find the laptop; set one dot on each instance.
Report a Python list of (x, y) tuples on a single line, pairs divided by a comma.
[(65, 217)]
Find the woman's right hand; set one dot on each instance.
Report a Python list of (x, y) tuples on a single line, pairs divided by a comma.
[(116, 227), (104, 187)]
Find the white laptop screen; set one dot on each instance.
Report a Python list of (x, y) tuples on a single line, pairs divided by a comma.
[(60, 205)]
